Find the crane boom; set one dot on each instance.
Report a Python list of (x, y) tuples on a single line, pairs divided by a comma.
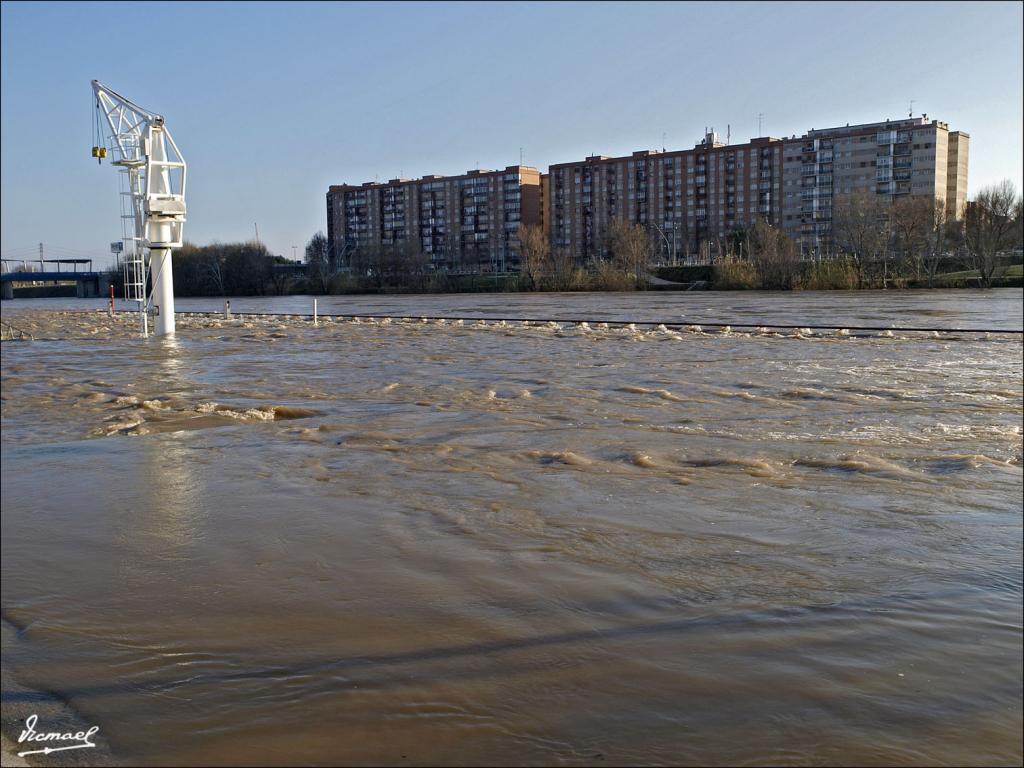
[(153, 200)]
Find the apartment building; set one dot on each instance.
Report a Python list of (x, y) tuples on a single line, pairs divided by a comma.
[(690, 199), (467, 223), (892, 159)]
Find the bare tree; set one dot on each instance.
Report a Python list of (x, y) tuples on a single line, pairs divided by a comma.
[(913, 218), (213, 268), (563, 269), (858, 224), (631, 250), (943, 233), (534, 255), (413, 265), (774, 255), (992, 226), (318, 263), (377, 264), (279, 280)]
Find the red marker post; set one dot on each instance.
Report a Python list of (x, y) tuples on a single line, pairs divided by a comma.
[(111, 300)]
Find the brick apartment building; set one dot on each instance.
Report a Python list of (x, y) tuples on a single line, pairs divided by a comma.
[(467, 223), (689, 200)]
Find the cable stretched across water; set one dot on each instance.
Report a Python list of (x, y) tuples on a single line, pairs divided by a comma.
[(617, 322)]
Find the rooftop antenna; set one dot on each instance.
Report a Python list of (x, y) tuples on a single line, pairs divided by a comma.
[(728, 133), (520, 155), (663, 136), (760, 124), (911, 107)]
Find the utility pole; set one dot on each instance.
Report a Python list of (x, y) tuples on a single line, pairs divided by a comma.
[(257, 232), (294, 255)]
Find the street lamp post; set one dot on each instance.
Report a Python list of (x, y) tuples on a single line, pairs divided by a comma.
[(671, 246)]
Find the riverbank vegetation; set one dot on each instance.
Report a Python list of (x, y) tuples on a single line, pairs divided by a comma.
[(913, 242)]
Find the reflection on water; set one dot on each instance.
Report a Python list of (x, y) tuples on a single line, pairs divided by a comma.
[(166, 490), (265, 542)]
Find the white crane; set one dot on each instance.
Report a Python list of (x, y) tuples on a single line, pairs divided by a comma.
[(152, 199)]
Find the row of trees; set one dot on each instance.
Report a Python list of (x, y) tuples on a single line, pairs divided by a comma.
[(404, 266), (228, 269), (911, 240), (993, 225), (625, 265), (876, 243), (908, 239)]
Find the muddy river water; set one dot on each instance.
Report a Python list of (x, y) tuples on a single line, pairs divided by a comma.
[(406, 542)]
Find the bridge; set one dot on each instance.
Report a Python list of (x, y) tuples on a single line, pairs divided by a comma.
[(88, 282)]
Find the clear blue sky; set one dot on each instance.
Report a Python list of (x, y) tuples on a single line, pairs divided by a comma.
[(272, 103)]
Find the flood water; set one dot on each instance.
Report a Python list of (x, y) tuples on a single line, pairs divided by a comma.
[(388, 542)]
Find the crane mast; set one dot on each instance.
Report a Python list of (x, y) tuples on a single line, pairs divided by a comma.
[(152, 200)]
